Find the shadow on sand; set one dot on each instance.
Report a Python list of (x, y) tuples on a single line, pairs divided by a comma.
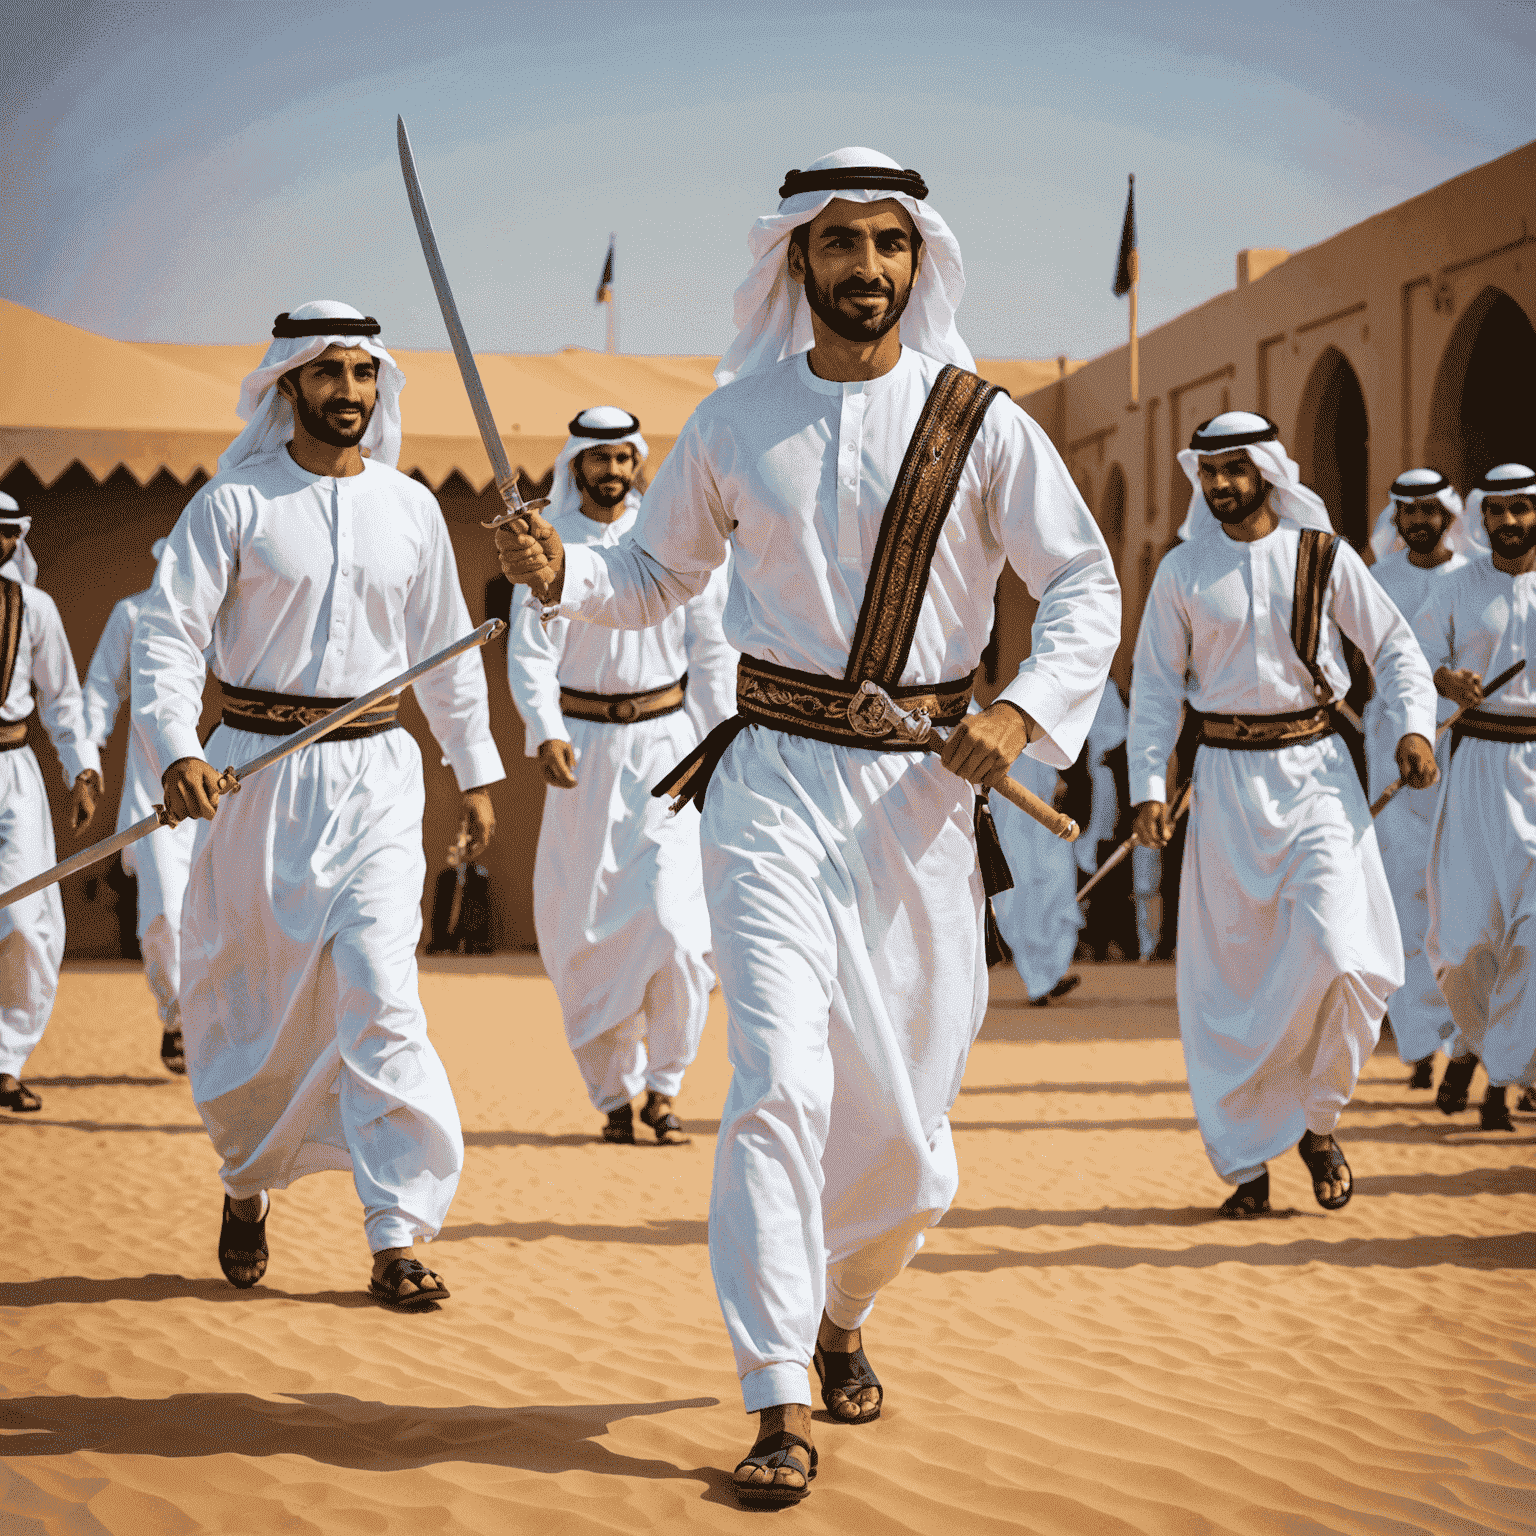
[(663, 1234), (119, 1081), (78, 1289)]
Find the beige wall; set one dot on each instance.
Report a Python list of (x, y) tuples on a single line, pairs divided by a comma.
[(1428, 306)]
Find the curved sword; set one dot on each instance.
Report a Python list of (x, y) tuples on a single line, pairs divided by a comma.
[(501, 468)]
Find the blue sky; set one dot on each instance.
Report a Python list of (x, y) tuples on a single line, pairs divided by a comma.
[(180, 172)]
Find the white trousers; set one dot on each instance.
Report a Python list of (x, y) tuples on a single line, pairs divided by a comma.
[(1288, 948), (31, 931), (1482, 902), (306, 1041), (1039, 917), (846, 906), (619, 911)]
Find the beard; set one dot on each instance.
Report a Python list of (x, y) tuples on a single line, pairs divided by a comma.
[(1511, 543), (824, 304), (323, 429), (1235, 511), (1422, 539), (607, 493)]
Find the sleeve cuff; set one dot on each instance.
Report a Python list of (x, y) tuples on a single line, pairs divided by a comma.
[(546, 726), (175, 743), (476, 765), (1153, 787), (77, 758), (1040, 698)]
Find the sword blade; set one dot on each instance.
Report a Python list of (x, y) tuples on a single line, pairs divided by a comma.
[(469, 371), (83, 860)]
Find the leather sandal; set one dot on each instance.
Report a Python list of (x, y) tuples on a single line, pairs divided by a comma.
[(772, 1452), (1451, 1097), (396, 1273), (18, 1098), (1247, 1200), (848, 1372), (243, 1247), (621, 1126), (173, 1052), (1325, 1161), (668, 1128)]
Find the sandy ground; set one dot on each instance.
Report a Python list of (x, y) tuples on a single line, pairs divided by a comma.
[(1080, 1347)]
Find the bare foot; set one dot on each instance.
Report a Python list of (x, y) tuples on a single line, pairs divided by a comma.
[(408, 1288), (796, 1418), (843, 1341)]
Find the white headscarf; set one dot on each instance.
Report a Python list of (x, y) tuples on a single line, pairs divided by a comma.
[(270, 416), (1501, 480), (1461, 537), (22, 562), (597, 424), (773, 321), (1259, 437)]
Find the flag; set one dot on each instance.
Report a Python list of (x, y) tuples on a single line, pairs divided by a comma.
[(1126, 269), (605, 282)]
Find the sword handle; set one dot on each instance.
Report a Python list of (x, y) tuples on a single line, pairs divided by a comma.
[(1032, 805), (514, 505)]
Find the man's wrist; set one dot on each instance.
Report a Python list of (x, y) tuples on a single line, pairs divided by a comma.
[(1032, 729)]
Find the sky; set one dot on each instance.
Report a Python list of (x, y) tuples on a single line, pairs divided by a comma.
[(173, 171)]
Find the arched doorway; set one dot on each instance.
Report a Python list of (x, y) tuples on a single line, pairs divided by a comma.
[(1333, 444), (1112, 509), (1483, 409)]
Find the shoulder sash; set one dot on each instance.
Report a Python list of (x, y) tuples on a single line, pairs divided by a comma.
[(1314, 565), (12, 610)]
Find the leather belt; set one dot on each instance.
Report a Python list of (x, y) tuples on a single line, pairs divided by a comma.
[(13, 735), (624, 708), (285, 714), (1265, 733), (1482, 725)]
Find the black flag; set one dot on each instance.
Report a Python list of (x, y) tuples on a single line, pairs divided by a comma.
[(605, 282), (1126, 269)]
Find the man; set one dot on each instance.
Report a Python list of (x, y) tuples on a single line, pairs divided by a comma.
[(1109, 918), (33, 654), (159, 862), (1288, 947), (618, 892), (1482, 861), (840, 868), (316, 575), (1420, 539)]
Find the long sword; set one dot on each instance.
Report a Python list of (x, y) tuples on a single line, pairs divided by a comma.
[(501, 467), (231, 778)]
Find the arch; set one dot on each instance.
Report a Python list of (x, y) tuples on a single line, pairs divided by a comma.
[(1482, 409), (1333, 444), (1112, 508)]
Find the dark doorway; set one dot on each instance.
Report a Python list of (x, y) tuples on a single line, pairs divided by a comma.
[(1334, 440), (1112, 510), (1494, 350)]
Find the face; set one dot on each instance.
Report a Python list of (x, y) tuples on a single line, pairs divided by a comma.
[(10, 537), (607, 472), (334, 395), (1422, 523), (1511, 524), (1232, 485), (858, 266)]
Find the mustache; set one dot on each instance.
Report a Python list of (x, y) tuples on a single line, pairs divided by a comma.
[(853, 288)]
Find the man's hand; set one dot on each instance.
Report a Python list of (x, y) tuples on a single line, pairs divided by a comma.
[(82, 802), (477, 822), (557, 762), (1154, 824), (983, 747), (531, 553), (1416, 761), (192, 788), (1461, 687)]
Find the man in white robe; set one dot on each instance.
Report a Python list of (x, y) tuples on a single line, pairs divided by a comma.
[(1420, 539), (34, 653), (1288, 945), (1482, 865), (618, 891), (158, 863), (842, 881), (316, 575)]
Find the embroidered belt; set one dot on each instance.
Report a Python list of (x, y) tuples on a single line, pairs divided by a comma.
[(285, 714), (1481, 725), (13, 736), (624, 708), (1265, 733)]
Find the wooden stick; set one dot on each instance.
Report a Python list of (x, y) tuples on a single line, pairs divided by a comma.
[(1123, 852), (1032, 805)]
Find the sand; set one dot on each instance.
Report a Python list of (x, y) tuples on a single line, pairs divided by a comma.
[(1080, 1347)]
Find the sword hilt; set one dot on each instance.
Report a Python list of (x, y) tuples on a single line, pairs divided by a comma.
[(515, 506)]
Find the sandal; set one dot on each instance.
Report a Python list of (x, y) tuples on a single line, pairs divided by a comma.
[(18, 1098), (396, 1273), (848, 1372), (1247, 1200), (668, 1128), (1324, 1162), (1493, 1113), (243, 1248), (1451, 1098), (173, 1052), (621, 1126), (1423, 1072), (1068, 983), (1527, 1102), (772, 1452)]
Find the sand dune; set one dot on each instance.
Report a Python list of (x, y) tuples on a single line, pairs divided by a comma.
[(1080, 1347)]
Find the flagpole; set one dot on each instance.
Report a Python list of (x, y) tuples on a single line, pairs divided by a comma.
[(1135, 285), (613, 305)]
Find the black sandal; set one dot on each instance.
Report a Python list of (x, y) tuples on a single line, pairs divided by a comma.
[(20, 1099), (173, 1052), (1423, 1072), (1493, 1113), (621, 1126), (396, 1273), (1247, 1200), (1451, 1097), (668, 1128), (848, 1372), (243, 1247), (1324, 1162), (772, 1453)]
